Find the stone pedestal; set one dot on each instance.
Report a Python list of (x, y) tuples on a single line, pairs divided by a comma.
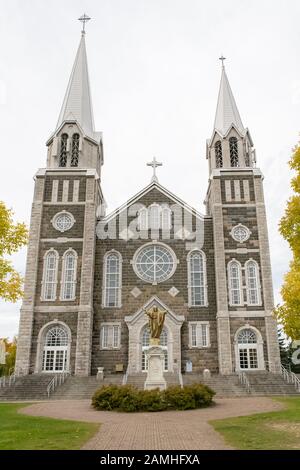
[(155, 376), (100, 374)]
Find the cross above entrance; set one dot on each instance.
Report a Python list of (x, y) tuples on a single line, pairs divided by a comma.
[(154, 165)]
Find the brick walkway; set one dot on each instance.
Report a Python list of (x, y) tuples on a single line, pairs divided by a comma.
[(169, 430)]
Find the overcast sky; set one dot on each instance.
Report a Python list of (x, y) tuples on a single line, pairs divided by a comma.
[(154, 73)]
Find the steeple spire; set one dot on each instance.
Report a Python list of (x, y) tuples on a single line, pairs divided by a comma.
[(77, 104), (227, 113)]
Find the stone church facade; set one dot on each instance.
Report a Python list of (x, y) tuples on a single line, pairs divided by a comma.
[(91, 275)]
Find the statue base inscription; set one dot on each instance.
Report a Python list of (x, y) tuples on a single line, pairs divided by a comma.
[(155, 376)]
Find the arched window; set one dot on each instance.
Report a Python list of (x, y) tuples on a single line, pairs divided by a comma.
[(252, 283), (69, 271), (143, 219), (55, 353), (218, 153), (166, 218), (197, 279), (49, 282), (145, 345), (63, 150), (75, 150), (233, 148), (154, 216), (247, 349), (112, 280), (235, 283)]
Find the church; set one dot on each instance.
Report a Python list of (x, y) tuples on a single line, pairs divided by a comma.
[(91, 275)]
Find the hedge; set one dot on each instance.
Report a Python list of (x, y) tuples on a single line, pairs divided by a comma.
[(128, 398)]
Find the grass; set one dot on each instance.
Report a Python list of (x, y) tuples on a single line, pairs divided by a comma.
[(21, 432), (278, 430)]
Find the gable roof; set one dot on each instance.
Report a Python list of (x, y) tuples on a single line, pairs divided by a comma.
[(165, 192)]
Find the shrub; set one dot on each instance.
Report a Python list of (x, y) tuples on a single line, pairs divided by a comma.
[(151, 400), (179, 398), (129, 399)]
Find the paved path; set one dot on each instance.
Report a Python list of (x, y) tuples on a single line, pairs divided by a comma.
[(168, 430)]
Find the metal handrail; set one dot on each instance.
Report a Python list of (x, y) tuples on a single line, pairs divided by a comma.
[(290, 378), (56, 381), (243, 379), (3, 380), (9, 380)]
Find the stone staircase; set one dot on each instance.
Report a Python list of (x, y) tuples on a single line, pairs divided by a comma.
[(138, 379), (34, 387), (79, 388), (266, 383), (27, 387), (223, 385)]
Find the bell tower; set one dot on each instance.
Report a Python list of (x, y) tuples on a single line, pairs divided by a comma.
[(59, 287), (235, 200)]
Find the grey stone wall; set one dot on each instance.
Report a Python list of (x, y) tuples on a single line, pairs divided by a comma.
[(179, 304)]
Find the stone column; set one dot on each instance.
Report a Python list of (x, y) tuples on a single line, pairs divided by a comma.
[(85, 313), (223, 324), (27, 309), (266, 275)]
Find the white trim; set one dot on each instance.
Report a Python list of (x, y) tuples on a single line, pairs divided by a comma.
[(61, 240), (143, 212), (154, 242), (54, 191), (119, 287), (45, 273), (65, 193), (40, 345), (259, 348), (189, 286), (199, 343), (54, 220), (243, 251), (248, 233), (258, 285), (241, 303), (69, 203), (110, 338), (163, 208), (237, 190), (63, 275), (246, 204), (76, 184)]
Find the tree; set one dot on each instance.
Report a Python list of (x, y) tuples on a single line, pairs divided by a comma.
[(289, 312), (284, 349), (11, 350), (12, 237)]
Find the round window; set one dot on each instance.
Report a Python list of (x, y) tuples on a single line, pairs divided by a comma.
[(63, 221), (240, 233), (154, 263)]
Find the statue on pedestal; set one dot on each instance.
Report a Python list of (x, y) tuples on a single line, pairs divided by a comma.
[(155, 354), (156, 323)]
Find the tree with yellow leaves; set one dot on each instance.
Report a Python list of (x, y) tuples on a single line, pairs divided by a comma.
[(12, 237), (289, 312), (10, 359)]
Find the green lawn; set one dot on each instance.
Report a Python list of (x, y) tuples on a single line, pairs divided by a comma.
[(264, 431), (21, 432)]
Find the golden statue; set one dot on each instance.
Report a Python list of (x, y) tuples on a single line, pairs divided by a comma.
[(156, 323)]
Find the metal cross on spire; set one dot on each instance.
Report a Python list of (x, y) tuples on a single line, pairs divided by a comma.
[(84, 19), (222, 58), (154, 165)]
